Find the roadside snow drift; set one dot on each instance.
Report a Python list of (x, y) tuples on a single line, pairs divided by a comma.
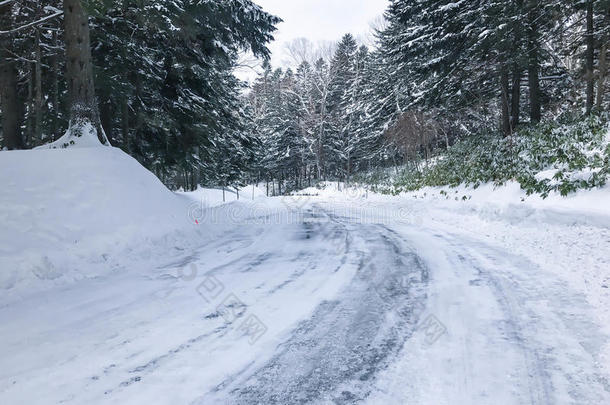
[(213, 197), (64, 206)]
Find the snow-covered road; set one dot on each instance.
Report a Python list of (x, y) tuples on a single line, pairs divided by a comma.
[(318, 303)]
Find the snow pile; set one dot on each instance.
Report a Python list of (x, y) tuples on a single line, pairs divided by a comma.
[(66, 212), (502, 203), (88, 139), (510, 203)]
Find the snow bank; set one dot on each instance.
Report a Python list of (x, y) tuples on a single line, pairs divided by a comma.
[(61, 208), (510, 203), (88, 139), (502, 203), (213, 197)]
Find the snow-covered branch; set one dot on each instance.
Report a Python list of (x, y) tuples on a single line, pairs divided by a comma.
[(32, 24)]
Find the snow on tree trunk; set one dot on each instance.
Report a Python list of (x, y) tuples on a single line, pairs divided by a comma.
[(84, 126)]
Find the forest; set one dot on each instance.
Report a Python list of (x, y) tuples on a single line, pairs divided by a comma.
[(156, 78)]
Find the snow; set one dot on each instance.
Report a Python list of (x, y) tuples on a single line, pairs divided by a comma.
[(88, 139), (213, 197), (61, 208), (112, 293), (568, 237)]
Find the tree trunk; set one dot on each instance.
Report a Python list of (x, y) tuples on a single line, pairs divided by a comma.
[(590, 58), (125, 124), (321, 164), (515, 101), (135, 142), (11, 108), (29, 122), (106, 113), (348, 170), (56, 106), (38, 90), (602, 76), (445, 135), (11, 113), (603, 53), (84, 114), (504, 102), (515, 106), (533, 63)]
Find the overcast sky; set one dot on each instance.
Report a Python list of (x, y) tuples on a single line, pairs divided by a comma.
[(318, 20)]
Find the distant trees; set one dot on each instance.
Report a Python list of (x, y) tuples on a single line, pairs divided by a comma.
[(315, 123), (442, 69)]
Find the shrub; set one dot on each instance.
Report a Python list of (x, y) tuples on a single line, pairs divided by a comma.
[(563, 155)]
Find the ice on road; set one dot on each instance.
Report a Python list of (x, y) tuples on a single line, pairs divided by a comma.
[(321, 306)]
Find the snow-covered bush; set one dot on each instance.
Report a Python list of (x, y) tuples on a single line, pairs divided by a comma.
[(555, 156), (565, 157)]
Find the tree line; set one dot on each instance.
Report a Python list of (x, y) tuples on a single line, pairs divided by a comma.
[(155, 78), (442, 70)]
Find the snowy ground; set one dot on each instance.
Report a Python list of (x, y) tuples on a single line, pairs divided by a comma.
[(342, 297)]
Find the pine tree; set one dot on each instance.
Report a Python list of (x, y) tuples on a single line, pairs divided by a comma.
[(168, 87)]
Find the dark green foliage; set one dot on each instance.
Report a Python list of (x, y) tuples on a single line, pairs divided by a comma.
[(171, 65), (164, 81), (559, 156)]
